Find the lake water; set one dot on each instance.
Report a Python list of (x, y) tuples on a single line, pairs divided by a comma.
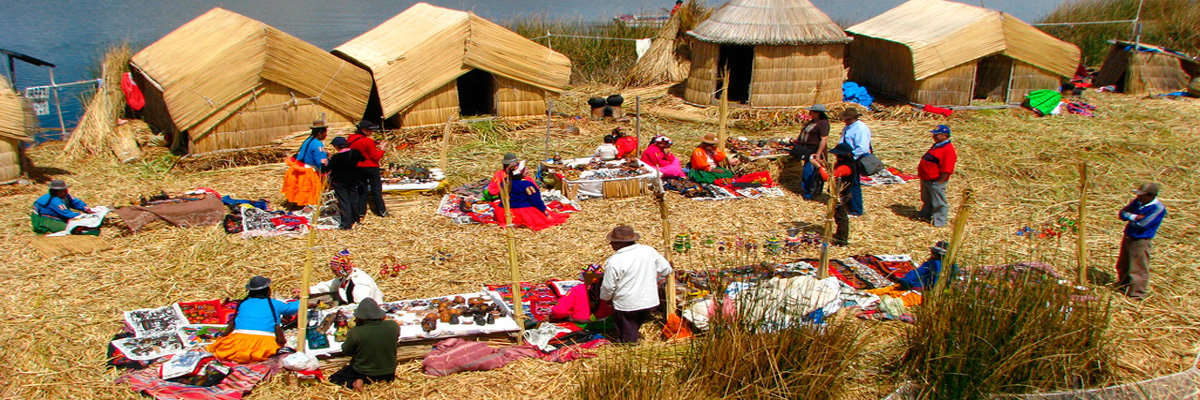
[(73, 33)]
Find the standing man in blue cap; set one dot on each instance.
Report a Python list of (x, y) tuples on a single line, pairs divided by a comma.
[(935, 169)]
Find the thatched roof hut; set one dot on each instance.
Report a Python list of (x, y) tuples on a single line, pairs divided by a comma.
[(778, 53), (948, 53), (17, 124), (1150, 69), (431, 63), (225, 81)]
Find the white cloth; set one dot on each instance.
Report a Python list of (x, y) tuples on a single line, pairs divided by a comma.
[(88, 221), (640, 46), (607, 152), (361, 286), (631, 277)]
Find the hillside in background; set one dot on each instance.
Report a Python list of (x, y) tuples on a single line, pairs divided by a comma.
[(1168, 23)]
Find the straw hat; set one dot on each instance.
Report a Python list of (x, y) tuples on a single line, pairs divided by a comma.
[(622, 234), (710, 138), (58, 184), (850, 113), (368, 309), (258, 282), (318, 124)]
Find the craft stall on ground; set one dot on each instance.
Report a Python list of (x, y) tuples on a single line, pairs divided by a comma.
[(588, 178), (403, 182)]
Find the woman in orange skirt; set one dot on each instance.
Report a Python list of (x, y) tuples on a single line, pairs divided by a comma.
[(251, 334)]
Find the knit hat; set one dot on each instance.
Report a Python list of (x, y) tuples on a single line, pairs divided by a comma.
[(368, 309), (943, 129), (519, 169), (622, 234), (258, 282), (340, 263), (509, 159), (58, 184)]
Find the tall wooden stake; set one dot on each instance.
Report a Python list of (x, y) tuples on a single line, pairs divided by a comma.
[(721, 130), (637, 124), (835, 191), (1080, 228), (518, 309), (956, 238), (549, 110), (306, 273), (667, 248)]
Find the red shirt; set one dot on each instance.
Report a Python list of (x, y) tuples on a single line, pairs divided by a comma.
[(367, 147), (938, 160), (626, 145)]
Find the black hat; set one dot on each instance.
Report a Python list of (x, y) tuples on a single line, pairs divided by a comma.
[(940, 248), (258, 282), (367, 125), (842, 149), (340, 142), (58, 184)]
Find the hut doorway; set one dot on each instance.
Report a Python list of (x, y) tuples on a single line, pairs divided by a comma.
[(992, 77), (739, 62), (476, 93)]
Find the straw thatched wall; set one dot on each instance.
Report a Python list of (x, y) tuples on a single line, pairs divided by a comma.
[(1027, 78), (702, 80), (517, 99), (11, 157), (883, 66), (803, 75), (1142, 72), (263, 116), (435, 108), (954, 86)]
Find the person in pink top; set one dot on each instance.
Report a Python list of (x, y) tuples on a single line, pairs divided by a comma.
[(658, 155), (582, 303)]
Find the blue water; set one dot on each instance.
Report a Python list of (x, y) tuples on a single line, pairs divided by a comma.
[(73, 33)]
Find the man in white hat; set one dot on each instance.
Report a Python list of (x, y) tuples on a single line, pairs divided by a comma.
[(631, 278)]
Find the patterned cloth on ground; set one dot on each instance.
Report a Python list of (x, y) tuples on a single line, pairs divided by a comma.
[(241, 380)]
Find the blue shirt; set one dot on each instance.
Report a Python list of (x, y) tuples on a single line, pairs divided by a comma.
[(312, 152), (858, 136), (55, 207), (255, 315), (922, 277), (1152, 215)]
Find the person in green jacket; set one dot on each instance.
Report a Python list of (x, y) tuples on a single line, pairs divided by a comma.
[(371, 345)]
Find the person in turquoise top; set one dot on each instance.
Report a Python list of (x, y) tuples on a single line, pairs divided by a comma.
[(52, 211), (251, 336), (312, 151)]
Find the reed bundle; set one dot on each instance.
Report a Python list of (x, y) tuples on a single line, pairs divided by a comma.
[(96, 134), (667, 60), (769, 22)]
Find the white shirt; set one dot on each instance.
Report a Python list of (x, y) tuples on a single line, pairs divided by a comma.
[(607, 152), (631, 277), (858, 136), (360, 285)]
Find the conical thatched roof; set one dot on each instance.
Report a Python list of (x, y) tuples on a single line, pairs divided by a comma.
[(15, 122), (769, 22)]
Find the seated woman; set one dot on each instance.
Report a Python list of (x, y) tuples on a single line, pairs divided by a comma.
[(707, 162), (658, 155), (582, 303), (506, 165), (53, 210), (525, 199), (625, 144), (350, 285), (254, 332)]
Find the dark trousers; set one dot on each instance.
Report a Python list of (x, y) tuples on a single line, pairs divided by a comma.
[(629, 323), (841, 217), (856, 201), (347, 375), (372, 193), (810, 181), (1133, 267), (348, 203)]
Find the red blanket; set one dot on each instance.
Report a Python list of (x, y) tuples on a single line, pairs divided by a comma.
[(240, 381)]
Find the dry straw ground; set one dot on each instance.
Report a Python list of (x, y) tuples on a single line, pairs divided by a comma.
[(58, 315)]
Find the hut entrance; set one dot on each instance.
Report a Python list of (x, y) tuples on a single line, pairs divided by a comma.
[(739, 62), (992, 77), (476, 93)]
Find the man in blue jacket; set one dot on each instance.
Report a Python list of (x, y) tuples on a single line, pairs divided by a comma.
[(926, 275), (1144, 214)]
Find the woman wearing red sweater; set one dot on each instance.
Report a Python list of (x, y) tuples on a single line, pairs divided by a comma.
[(372, 179)]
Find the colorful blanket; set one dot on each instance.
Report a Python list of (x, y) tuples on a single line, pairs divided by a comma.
[(241, 380)]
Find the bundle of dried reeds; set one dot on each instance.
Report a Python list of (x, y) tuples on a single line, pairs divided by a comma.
[(666, 61), (95, 135)]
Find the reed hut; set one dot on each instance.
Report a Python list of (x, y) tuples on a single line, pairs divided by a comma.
[(431, 63), (17, 124), (947, 53), (224, 81), (777, 53), (1148, 69)]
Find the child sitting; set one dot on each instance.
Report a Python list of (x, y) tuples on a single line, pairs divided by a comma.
[(607, 151)]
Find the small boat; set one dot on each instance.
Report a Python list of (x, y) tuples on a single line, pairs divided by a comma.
[(641, 21)]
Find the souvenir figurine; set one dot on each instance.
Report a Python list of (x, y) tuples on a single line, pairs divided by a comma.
[(480, 319), (430, 322)]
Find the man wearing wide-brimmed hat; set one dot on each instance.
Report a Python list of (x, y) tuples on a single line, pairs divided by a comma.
[(371, 345), (631, 282), (1144, 214), (857, 135), (372, 193)]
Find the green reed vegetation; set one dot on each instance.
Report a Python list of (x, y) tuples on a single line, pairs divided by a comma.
[(1168, 23), (593, 61)]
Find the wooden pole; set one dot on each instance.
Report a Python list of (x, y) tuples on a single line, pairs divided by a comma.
[(721, 129), (549, 110), (518, 311), (446, 133), (637, 124), (667, 248), (306, 273), (1080, 228), (830, 209), (58, 106), (956, 238)]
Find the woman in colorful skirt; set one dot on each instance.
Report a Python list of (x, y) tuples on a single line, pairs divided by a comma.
[(525, 200), (251, 336)]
